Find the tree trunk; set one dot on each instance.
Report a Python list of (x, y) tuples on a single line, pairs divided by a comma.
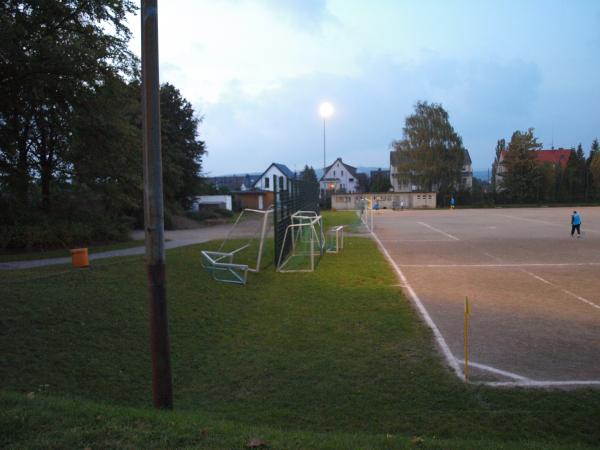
[(22, 169)]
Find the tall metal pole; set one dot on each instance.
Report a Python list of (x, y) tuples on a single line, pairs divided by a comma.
[(162, 388), (324, 156)]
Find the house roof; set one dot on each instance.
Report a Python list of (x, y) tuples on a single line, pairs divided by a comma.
[(350, 169), (281, 167), (560, 156), (467, 158)]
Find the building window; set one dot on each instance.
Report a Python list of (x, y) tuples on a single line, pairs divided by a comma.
[(350, 180), (334, 173), (342, 173), (281, 183), (266, 182)]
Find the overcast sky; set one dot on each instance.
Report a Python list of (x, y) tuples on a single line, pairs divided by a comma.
[(257, 70)]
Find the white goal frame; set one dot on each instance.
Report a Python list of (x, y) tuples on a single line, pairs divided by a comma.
[(219, 262), (295, 231)]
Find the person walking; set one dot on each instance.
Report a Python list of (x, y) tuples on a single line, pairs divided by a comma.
[(452, 202), (575, 224)]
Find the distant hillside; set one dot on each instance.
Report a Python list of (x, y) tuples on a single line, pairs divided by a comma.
[(482, 175)]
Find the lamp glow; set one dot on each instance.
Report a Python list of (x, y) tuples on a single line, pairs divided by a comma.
[(326, 110)]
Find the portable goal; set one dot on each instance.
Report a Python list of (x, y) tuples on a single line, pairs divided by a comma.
[(305, 239), (242, 250)]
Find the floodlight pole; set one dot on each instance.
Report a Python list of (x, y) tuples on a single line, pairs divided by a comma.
[(324, 154), (162, 388)]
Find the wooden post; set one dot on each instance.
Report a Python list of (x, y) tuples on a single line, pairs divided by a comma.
[(467, 313), (153, 211)]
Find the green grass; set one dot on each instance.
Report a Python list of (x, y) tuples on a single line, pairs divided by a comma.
[(335, 218), (61, 253), (332, 359)]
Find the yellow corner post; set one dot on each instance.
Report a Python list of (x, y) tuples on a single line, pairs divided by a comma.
[(466, 336)]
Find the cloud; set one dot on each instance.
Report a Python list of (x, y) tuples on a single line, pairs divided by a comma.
[(484, 99), (304, 15)]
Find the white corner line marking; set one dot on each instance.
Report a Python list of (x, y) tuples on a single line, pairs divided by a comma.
[(504, 373), (439, 231), (450, 359), (541, 384), (500, 265)]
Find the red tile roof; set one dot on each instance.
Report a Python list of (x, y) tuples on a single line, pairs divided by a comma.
[(560, 156)]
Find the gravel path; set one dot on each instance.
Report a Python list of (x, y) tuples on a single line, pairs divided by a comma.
[(175, 238)]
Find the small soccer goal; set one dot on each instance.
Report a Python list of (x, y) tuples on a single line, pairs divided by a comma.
[(304, 242), (365, 212), (335, 239), (242, 250)]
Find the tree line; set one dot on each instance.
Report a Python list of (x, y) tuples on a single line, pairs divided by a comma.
[(524, 179), (70, 126)]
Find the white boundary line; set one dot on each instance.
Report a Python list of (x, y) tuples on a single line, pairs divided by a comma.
[(453, 362), (504, 373), (450, 359), (539, 384), (502, 265), (566, 291), (439, 231), (416, 240)]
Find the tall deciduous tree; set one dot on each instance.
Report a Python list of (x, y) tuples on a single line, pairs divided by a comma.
[(182, 149), (53, 52), (595, 172), (522, 179), (433, 153)]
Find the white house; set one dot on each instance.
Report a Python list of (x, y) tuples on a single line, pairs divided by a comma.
[(282, 173), (339, 177)]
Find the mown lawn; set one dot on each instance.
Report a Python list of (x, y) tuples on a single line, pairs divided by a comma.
[(331, 359)]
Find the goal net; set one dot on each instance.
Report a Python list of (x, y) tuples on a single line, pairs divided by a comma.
[(305, 240), (365, 212), (243, 248)]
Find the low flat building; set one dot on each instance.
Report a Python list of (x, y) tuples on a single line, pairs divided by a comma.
[(392, 200)]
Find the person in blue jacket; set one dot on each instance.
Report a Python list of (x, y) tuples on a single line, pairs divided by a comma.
[(575, 224)]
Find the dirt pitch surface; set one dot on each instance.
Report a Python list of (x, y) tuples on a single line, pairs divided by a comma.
[(534, 289)]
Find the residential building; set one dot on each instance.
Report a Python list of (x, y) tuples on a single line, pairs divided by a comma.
[(556, 157), (282, 176), (339, 177), (405, 182), (390, 200)]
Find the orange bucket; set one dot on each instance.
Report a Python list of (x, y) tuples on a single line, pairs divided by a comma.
[(79, 257)]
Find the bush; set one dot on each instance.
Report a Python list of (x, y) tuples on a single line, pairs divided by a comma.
[(209, 213), (48, 234)]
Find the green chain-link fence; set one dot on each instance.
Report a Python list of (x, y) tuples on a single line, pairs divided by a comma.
[(300, 195)]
